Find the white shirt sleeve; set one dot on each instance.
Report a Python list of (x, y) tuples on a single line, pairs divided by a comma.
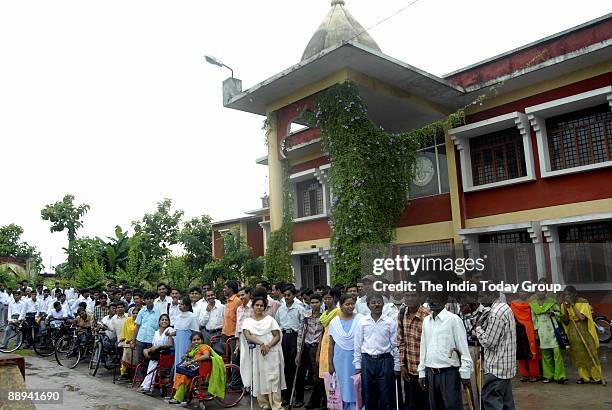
[(358, 343), (461, 342), (423, 350)]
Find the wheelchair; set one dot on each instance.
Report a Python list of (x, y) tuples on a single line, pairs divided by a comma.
[(162, 374)]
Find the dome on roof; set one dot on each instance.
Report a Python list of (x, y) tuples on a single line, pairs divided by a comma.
[(338, 26)]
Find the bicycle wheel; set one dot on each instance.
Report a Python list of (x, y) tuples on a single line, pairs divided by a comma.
[(13, 341), (43, 343), (67, 352), (603, 329), (96, 357), (234, 389)]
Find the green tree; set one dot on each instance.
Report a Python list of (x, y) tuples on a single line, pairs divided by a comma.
[(178, 273), (12, 245), (65, 215), (115, 254), (196, 238), (157, 231), (90, 274)]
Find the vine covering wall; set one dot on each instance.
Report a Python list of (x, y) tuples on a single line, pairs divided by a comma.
[(370, 174)]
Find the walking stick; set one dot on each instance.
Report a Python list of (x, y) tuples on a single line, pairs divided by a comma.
[(597, 366), (397, 406), (252, 351), (297, 368), (470, 393)]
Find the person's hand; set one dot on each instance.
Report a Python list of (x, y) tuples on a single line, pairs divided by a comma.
[(331, 369), (405, 374), (145, 352), (264, 349), (237, 349), (211, 305), (357, 371), (133, 344), (466, 382), (423, 383), (297, 360)]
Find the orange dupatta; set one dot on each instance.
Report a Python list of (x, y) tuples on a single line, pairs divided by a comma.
[(522, 313)]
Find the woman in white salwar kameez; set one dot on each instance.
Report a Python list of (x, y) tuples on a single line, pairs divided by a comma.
[(268, 364), (161, 341)]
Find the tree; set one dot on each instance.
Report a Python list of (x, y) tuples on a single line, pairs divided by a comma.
[(179, 274), (196, 238), (91, 275), (12, 245), (159, 230), (64, 215), (115, 254)]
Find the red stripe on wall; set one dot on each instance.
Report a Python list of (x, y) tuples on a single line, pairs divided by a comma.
[(310, 230), (317, 162), (426, 210)]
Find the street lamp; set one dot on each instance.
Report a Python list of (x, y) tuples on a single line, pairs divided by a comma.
[(214, 61)]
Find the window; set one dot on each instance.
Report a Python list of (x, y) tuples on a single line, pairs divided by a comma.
[(431, 173), (440, 250), (586, 252), (580, 138), (510, 256), (498, 156), (313, 270), (495, 152), (309, 198)]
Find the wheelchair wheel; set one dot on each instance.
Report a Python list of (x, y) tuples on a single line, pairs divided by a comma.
[(43, 344), (14, 341), (604, 330), (67, 352), (139, 374), (96, 357), (234, 389)]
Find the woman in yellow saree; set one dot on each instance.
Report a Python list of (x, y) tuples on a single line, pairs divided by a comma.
[(580, 329)]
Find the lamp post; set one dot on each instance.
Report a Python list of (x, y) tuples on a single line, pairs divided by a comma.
[(214, 61)]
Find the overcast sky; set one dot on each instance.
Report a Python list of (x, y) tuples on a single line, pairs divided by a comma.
[(111, 100)]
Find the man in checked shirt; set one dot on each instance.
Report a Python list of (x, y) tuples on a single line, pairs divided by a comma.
[(496, 332), (409, 327)]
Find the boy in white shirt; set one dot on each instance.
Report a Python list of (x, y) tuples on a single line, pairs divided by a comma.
[(16, 314)]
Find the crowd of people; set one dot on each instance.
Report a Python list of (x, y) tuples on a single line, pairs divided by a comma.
[(348, 344)]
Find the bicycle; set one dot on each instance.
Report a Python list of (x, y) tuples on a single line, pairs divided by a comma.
[(103, 349), (68, 349), (20, 332), (45, 340)]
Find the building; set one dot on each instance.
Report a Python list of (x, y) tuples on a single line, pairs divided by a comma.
[(531, 167)]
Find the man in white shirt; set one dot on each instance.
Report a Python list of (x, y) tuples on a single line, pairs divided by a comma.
[(4, 302), (376, 356), (174, 310), (197, 303), (163, 300), (16, 313), (211, 317), (45, 303), (361, 305), (83, 298), (444, 360), (117, 321), (106, 323), (392, 308), (71, 294)]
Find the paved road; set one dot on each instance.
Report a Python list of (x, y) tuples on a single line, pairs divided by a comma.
[(82, 391)]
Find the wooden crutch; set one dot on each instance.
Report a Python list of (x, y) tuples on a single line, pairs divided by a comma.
[(598, 366)]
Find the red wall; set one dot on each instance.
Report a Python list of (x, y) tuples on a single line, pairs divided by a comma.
[(542, 192), (532, 56), (426, 210), (317, 162), (310, 230), (255, 238)]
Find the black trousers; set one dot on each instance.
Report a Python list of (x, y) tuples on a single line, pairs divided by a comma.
[(377, 382), (497, 393), (309, 364), (289, 345), (415, 397), (444, 389)]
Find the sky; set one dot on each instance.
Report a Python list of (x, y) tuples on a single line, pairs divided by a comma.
[(112, 101)]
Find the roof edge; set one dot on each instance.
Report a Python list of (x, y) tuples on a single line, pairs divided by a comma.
[(530, 45)]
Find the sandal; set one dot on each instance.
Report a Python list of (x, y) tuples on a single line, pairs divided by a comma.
[(173, 401), (562, 381), (596, 382), (580, 381), (546, 381), (533, 379)]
